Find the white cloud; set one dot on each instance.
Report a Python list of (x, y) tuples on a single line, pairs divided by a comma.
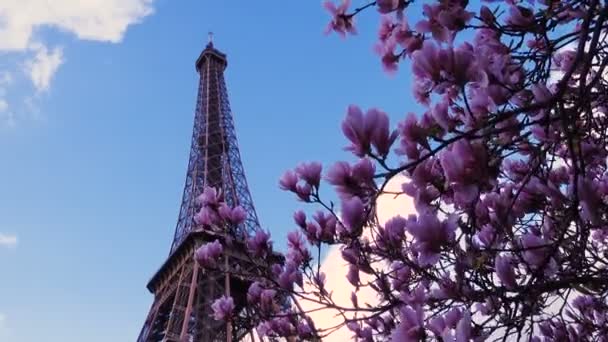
[(99, 20), (21, 20), (43, 65), (7, 240), (335, 267)]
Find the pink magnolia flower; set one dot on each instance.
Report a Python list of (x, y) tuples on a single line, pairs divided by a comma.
[(366, 130), (520, 17), (541, 93), (382, 138), (303, 191), (486, 15), (267, 302), (565, 60), (353, 214), (590, 201), (296, 248), (387, 6), (505, 271), (536, 253), (259, 244), (254, 292), (235, 216), (209, 197), (300, 218), (390, 60), (355, 180), (411, 327), (454, 17), (426, 63), (461, 66), (463, 329), (465, 166), (341, 23), (442, 117), (326, 224), (430, 235), (288, 181), (310, 173), (386, 28), (290, 276), (223, 308), (208, 254), (353, 275), (207, 216), (432, 24)]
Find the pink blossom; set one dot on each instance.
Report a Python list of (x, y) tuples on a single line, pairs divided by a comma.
[(520, 17), (303, 191), (288, 181), (353, 214), (505, 271), (410, 329), (463, 329), (486, 15), (430, 236), (432, 24), (387, 6), (235, 216), (341, 23), (297, 250), (356, 180), (209, 197), (300, 218), (366, 130), (464, 166), (259, 244), (382, 138), (541, 93), (310, 173), (207, 254), (207, 217), (290, 276), (426, 63), (353, 275), (589, 200), (254, 292), (390, 60), (565, 60), (223, 308), (442, 117)]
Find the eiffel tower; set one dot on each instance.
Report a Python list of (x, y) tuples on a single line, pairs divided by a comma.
[(183, 291)]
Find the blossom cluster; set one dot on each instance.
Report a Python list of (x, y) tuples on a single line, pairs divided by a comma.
[(507, 169)]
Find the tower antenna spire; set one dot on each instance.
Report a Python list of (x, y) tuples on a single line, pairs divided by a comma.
[(211, 37)]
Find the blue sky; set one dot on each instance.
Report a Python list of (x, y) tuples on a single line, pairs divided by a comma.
[(94, 157)]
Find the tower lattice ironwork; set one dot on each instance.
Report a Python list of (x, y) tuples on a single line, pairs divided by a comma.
[(183, 291)]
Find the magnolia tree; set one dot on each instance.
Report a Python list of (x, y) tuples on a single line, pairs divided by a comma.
[(507, 169)]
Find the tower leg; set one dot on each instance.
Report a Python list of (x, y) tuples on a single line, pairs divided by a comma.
[(227, 288), (188, 315)]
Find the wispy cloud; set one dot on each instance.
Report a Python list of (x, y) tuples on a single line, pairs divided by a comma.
[(10, 241), (94, 20), (43, 65)]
